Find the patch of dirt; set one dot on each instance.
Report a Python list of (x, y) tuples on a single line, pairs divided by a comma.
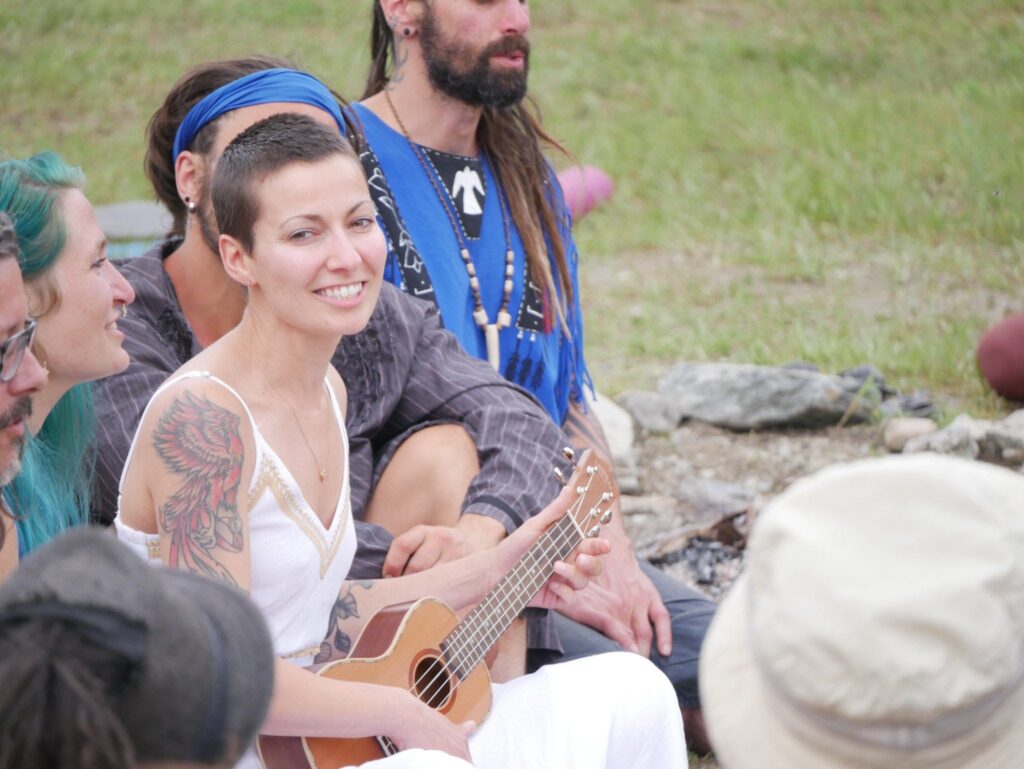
[(763, 463)]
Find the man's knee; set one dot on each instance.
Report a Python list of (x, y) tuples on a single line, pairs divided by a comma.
[(426, 480)]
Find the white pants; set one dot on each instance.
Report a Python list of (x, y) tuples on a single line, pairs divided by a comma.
[(610, 710)]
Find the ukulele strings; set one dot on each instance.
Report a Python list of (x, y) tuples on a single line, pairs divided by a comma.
[(550, 550), (445, 670), (549, 554), (551, 542), (471, 644)]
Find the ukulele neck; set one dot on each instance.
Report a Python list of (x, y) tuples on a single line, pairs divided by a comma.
[(466, 646)]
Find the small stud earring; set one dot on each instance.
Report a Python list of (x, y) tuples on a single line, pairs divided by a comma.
[(407, 32), (190, 204)]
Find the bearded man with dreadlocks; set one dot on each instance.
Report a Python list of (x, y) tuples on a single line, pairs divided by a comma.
[(478, 226)]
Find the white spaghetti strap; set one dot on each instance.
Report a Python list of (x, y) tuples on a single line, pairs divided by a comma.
[(164, 386)]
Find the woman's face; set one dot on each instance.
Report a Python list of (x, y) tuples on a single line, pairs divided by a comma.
[(318, 254), (78, 339)]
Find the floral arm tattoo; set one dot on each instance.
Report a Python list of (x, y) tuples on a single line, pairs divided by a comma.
[(200, 440), (338, 643)]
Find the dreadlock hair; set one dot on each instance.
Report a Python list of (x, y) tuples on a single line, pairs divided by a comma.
[(511, 138), (190, 88), (56, 704)]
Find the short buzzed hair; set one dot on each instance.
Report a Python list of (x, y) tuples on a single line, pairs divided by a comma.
[(8, 239), (262, 149)]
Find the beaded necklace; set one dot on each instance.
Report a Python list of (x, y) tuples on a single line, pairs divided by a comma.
[(480, 317)]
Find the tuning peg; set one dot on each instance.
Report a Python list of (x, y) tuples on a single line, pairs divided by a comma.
[(560, 476), (593, 532), (568, 453), (606, 517)]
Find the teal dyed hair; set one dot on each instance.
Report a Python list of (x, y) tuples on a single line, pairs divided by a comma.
[(51, 493)]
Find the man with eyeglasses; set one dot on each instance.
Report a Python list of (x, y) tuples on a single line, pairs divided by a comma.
[(20, 376)]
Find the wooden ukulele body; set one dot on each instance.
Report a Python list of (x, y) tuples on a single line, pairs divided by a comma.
[(400, 646)]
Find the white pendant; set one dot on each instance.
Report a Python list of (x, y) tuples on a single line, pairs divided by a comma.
[(491, 338)]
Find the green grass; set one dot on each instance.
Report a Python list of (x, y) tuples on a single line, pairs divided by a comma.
[(839, 181)]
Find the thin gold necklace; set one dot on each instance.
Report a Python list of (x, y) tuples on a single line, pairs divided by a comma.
[(480, 317), (321, 470)]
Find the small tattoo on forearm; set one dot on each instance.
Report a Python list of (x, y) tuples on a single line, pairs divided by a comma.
[(345, 607)]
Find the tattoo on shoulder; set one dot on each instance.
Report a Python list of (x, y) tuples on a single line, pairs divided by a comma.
[(344, 608), (200, 441)]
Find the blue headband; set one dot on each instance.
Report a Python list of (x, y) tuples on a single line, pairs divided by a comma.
[(264, 87)]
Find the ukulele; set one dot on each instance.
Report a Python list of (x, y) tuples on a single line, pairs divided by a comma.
[(423, 647)]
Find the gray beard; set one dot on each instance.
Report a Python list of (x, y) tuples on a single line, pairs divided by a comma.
[(9, 473)]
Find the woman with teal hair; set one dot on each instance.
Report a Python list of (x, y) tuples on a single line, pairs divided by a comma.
[(77, 296)]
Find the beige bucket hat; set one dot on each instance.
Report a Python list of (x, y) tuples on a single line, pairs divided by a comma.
[(879, 624)]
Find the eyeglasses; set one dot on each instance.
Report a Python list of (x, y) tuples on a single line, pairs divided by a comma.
[(12, 350)]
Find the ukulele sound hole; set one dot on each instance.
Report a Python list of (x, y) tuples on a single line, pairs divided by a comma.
[(432, 682)]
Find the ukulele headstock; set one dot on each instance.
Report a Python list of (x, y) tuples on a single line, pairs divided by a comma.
[(591, 479)]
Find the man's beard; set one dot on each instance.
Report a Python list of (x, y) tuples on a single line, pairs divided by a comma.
[(21, 410), (476, 84), (11, 470)]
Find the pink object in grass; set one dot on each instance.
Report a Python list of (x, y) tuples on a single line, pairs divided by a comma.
[(584, 188), (1001, 357)]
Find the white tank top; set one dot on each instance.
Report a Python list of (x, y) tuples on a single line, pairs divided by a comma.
[(298, 566)]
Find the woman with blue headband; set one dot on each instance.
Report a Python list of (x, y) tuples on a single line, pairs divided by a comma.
[(198, 139)]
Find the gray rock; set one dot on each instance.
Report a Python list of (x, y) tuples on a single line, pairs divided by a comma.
[(999, 442), (865, 372), (704, 500), (962, 438), (616, 423), (134, 220), (914, 404), (651, 504), (1004, 442), (898, 431), (747, 397), (627, 475), (649, 410)]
